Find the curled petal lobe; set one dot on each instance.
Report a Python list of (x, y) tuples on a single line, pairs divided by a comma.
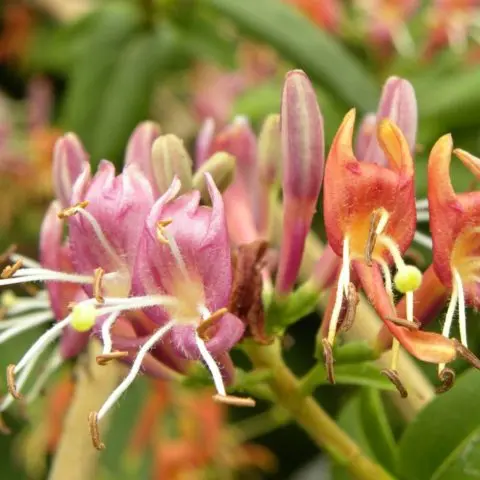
[(221, 338), (69, 162)]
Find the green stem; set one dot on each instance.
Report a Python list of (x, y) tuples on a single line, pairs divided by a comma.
[(261, 424), (311, 417)]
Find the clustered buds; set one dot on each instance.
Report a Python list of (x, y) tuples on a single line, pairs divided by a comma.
[(167, 266)]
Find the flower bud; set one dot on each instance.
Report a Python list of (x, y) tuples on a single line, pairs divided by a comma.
[(221, 166), (203, 141), (303, 159), (269, 149), (170, 159), (398, 104), (69, 161), (139, 150)]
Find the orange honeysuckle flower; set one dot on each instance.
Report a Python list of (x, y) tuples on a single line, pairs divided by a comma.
[(455, 229), (370, 219)]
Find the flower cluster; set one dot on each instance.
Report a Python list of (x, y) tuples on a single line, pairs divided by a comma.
[(167, 266)]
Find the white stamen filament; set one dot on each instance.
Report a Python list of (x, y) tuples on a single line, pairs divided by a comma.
[(462, 317), (22, 324), (421, 204), (39, 346), (28, 262), (54, 362), (106, 327), (447, 326), (423, 239), (136, 303), (423, 216), (137, 365), (387, 275), (393, 249), (47, 277), (409, 306), (23, 305), (212, 366), (100, 235), (341, 287), (26, 320), (172, 243)]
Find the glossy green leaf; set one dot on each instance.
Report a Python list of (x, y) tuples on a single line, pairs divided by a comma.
[(464, 462), (308, 47), (93, 69), (377, 428), (440, 428)]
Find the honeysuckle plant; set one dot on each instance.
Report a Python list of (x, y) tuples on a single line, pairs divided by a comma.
[(170, 264)]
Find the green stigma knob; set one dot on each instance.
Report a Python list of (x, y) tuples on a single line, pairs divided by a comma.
[(407, 279), (83, 317)]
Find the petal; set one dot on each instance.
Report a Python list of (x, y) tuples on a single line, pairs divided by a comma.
[(446, 211), (426, 346), (227, 333), (366, 134), (203, 143)]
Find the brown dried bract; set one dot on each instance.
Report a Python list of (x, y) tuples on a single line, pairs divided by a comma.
[(97, 284), (210, 322), (95, 434), (346, 320), (466, 354), (402, 322), (12, 389), (447, 377), (393, 376), (329, 360), (69, 211), (106, 358), (246, 297), (9, 270), (233, 400)]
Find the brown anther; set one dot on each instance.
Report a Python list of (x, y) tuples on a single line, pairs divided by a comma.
[(30, 289), (97, 284), (69, 211), (402, 322), (70, 306), (329, 360), (12, 389), (95, 434), (161, 224), (208, 322), (466, 354), (5, 256), (447, 377), (4, 430), (106, 358), (393, 376), (415, 256), (9, 270), (233, 400), (346, 322), (372, 235)]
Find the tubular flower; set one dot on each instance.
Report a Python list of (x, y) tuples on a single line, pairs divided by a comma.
[(455, 228), (370, 218)]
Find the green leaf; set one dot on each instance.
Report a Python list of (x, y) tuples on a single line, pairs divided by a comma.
[(128, 95), (308, 47), (350, 421), (93, 69), (464, 462), (440, 428), (361, 374), (377, 428)]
